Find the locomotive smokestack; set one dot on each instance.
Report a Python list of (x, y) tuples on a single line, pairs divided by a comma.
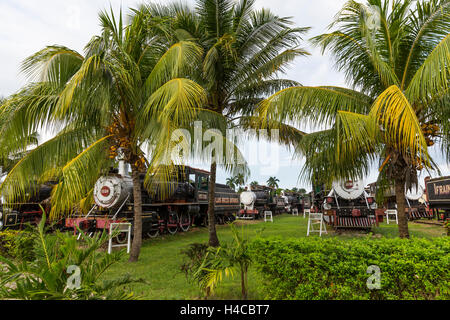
[(122, 168)]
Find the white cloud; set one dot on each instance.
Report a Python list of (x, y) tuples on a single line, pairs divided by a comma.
[(28, 26)]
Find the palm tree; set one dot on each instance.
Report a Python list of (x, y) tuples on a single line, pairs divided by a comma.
[(231, 182), (244, 51), (240, 179), (273, 182), (397, 108), (253, 184), (123, 95)]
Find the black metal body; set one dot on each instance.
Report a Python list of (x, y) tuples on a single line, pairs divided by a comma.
[(438, 196)]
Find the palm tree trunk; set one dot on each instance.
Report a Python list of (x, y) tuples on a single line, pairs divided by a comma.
[(213, 240), (401, 205), (244, 282), (137, 236)]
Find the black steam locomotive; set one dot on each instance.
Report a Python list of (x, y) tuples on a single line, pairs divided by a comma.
[(293, 201), (259, 199), (17, 215), (416, 207), (348, 205), (184, 205)]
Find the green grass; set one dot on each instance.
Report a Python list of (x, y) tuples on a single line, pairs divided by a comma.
[(160, 259)]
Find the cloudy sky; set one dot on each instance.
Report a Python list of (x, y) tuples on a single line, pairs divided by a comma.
[(27, 26)]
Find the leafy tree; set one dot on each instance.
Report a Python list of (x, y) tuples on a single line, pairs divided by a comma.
[(48, 275), (224, 261), (398, 68), (123, 97), (244, 51)]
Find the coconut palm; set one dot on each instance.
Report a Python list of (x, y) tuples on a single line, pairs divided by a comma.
[(244, 51), (123, 97), (396, 56), (273, 182), (240, 179), (253, 184), (231, 182)]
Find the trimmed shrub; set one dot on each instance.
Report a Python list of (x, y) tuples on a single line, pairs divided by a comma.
[(315, 268), (17, 244)]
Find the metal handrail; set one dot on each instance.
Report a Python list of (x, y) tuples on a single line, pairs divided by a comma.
[(120, 208)]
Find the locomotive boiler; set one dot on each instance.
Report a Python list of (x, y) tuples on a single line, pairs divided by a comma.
[(348, 205), (183, 203)]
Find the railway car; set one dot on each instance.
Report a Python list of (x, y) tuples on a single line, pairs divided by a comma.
[(184, 206), (438, 196), (348, 205)]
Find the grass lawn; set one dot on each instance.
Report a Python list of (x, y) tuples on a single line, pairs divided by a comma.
[(160, 259)]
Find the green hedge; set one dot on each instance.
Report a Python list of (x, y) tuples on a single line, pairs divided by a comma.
[(315, 268), (17, 245)]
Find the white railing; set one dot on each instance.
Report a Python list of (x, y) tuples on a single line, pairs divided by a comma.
[(122, 228)]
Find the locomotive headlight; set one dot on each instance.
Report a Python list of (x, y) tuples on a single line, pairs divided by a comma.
[(374, 206), (327, 206)]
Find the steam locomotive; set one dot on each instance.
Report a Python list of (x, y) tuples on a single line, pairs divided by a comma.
[(293, 200), (258, 199), (416, 205), (348, 205), (17, 215), (185, 204)]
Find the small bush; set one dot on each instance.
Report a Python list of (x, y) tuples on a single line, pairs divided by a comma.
[(17, 245), (311, 268)]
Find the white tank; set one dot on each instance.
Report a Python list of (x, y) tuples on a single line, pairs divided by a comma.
[(111, 191), (415, 193), (349, 189), (248, 199)]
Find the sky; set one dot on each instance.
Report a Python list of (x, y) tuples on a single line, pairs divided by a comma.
[(27, 26)]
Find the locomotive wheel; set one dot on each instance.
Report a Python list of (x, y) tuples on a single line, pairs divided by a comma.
[(121, 238), (153, 233), (185, 222), (174, 220), (220, 219)]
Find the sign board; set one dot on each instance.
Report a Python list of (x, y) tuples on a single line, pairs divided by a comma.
[(438, 190)]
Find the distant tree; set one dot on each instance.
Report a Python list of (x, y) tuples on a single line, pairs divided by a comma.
[(273, 182), (254, 183), (231, 182), (240, 179)]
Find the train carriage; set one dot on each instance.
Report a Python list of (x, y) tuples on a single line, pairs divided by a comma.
[(438, 196)]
